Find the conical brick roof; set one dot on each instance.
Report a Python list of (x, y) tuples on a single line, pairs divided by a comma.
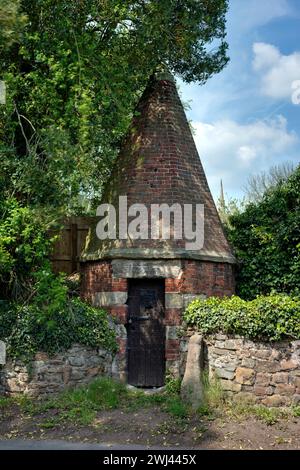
[(159, 163)]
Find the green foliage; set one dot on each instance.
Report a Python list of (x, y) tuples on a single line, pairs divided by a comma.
[(81, 405), (228, 208), (11, 23), (273, 317), (268, 415), (73, 73), (213, 396), (137, 399), (173, 384), (23, 247), (173, 403), (52, 322), (241, 408), (36, 313), (176, 407), (296, 411), (266, 239)]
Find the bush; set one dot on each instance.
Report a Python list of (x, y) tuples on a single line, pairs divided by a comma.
[(51, 321), (265, 236), (24, 248), (272, 317)]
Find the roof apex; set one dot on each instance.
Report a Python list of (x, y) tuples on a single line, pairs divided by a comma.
[(163, 74), (159, 164)]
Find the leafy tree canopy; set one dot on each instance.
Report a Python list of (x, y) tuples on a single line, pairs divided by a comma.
[(74, 70)]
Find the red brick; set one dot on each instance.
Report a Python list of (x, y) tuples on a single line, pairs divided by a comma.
[(122, 346), (119, 285), (172, 316), (171, 355), (120, 313), (172, 344), (173, 285), (159, 163)]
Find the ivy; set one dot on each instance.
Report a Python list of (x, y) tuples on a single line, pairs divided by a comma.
[(51, 321), (273, 317)]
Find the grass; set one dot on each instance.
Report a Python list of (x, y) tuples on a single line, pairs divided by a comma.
[(296, 411), (81, 405), (5, 403), (269, 416), (216, 403), (176, 407), (239, 410), (213, 396)]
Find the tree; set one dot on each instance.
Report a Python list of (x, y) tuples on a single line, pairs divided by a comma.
[(73, 72), (266, 239), (258, 184), (11, 23), (73, 77)]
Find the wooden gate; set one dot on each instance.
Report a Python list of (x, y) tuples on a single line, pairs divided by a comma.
[(70, 243), (146, 333)]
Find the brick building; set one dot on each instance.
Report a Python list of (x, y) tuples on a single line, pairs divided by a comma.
[(146, 283)]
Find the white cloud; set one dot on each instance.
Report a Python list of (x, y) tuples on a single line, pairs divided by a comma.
[(277, 71), (232, 151), (246, 153)]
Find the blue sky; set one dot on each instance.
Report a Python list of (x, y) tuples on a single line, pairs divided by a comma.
[(244, 118)]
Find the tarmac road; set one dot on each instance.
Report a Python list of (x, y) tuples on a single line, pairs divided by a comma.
[(20, 444)]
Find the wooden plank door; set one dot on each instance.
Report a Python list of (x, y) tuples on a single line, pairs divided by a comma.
[(146, 333)]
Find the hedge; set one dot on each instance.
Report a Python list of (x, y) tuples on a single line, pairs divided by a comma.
[(265, 237), (270, 318)]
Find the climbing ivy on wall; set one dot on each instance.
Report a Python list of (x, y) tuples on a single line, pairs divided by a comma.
[(52, 321)]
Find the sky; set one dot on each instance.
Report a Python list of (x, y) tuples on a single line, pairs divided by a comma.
[(246, 118)]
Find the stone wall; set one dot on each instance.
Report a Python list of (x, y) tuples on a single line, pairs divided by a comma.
[(268, 373), (50, 375)]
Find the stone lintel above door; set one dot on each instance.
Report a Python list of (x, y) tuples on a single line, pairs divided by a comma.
[(139, 269)]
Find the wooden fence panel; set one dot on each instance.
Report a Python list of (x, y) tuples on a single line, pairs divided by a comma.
[(68, 247)]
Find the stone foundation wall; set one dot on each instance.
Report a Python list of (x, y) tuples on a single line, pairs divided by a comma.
[(50, 375), (268, 373)]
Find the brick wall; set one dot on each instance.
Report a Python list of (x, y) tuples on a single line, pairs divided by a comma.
[(198, 277), (204, 277), (195, 278)]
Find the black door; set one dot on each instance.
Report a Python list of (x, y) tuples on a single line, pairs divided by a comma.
[(146, 333)]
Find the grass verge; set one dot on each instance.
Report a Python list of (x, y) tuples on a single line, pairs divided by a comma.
[(80, 406)]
